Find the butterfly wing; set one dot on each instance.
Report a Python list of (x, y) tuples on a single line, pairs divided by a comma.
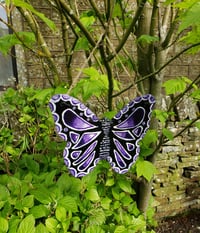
[(128, 128), (81, 129)]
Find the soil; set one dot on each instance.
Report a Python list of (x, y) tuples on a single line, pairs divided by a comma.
[(185, 223)]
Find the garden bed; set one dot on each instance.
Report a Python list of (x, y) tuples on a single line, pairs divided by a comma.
[(185, 223)]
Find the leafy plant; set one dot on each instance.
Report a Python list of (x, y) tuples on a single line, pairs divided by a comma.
[(38, 194)]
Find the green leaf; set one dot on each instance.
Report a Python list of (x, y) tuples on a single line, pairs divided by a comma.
[(27, 225), (116, 193), (120, 229), (117, 12), (25, 5), (13, 224), (49, 180), (197, 124), (146, 39), (126, 200), (139, 223), (93, 219), (31, 164), (42, 195), (61, 213), (26, 202), (3, 225), (39, 211), (150, 137), (94, 229), (167, 133), (92, 195), (190, 17), (175, 86), (145, 169), (161, 115), (110, 114), (196, 95), (9, 40), (51, 225), (82, 44), (69, 203), (41, 95), (125, 185), (4, 193), (110, 182), (87, 20), (105, 203), (41, 229)]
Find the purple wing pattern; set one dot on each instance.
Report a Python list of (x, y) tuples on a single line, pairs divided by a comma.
[(129, 127), (90, 139), (80, 128)]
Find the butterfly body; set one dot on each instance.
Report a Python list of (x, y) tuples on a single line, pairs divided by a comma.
[(88, 139)]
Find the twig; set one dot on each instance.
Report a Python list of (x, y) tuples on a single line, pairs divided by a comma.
[(76, 79)]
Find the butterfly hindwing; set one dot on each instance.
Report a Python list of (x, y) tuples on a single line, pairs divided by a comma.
[(80, 128), (129, 127)]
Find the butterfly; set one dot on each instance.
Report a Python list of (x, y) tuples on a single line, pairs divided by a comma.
[(90, 139)]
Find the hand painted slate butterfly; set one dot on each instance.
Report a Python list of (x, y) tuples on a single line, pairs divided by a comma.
[(88, 139)]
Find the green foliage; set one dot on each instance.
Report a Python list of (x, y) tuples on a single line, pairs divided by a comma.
[(189, 20), (145, 168), (29, 7), (93, 84), (146, 39), (38, 194), (21, 38)]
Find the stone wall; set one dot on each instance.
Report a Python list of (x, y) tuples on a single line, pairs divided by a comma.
[(176, 187)]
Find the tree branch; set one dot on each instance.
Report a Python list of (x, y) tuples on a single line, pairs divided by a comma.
[(129, 30), (71, 14)]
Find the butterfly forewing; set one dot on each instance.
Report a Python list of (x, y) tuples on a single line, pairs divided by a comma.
[(129, 127), (80, 128)]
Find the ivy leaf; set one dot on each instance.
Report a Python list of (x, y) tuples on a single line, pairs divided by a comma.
[(145, 169)]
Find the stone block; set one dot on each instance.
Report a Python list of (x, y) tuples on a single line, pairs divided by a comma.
[(165, 191)]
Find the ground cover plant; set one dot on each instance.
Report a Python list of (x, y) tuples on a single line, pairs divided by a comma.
[(37, 192)]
